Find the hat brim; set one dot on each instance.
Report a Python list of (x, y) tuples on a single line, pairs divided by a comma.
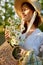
[(18, 4)]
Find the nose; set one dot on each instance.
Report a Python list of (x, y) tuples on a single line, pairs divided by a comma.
[(23, 14), (26, 12)]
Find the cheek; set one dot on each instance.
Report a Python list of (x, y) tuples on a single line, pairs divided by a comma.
[(26, 12), (30, 14)]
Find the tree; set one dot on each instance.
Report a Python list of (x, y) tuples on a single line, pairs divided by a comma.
[(41, 2), (7, 11)]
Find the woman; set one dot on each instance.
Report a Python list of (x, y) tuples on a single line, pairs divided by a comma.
[(30, 21), (32, 41)]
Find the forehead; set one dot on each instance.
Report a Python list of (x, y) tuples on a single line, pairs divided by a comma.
[(27, 5)]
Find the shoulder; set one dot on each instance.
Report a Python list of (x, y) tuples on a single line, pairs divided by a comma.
[(36, 34), (36, 31)]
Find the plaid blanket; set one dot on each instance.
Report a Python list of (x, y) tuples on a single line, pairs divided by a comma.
[(30, 59)]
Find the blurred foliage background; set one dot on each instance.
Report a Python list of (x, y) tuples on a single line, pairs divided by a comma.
[(7, 14), (7, 11)]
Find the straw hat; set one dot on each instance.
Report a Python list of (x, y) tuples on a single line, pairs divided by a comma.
[(18, 4)]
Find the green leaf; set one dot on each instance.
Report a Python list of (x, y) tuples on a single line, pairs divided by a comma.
[(41, 1), (7, 23), (41, 27)]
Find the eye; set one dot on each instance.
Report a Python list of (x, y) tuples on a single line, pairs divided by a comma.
[(24, 10)]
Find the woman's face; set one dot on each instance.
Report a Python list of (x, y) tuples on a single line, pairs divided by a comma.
[(26, 12)]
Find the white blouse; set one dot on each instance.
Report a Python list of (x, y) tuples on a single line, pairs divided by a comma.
[(33, 41)]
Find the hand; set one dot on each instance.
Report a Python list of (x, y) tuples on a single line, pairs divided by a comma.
[(7, 34)]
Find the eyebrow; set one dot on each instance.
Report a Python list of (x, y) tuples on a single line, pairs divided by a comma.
[(29, 5)]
